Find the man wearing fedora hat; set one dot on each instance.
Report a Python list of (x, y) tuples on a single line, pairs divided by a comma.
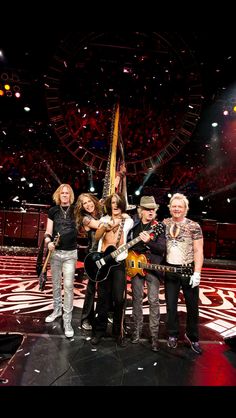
[(153, 247)]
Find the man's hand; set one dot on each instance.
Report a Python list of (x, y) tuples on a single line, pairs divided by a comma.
[(195, 279), (145, 237)]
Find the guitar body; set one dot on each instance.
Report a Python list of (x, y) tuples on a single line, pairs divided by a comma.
[(98, 264), (133, 264)]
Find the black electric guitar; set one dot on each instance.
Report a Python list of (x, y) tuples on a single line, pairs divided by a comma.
[(138, 264), (98, 264), (43, 274)]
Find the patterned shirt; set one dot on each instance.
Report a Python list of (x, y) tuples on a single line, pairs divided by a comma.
[(179, 238)]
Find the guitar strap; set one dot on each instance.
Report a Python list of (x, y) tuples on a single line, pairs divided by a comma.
[(120, 231)]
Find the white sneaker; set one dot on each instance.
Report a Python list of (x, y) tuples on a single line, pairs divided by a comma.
[(110, 318), (86, 325), (69, 332), (53, 316)]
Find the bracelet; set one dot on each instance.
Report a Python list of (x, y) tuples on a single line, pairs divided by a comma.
[(48, 236)]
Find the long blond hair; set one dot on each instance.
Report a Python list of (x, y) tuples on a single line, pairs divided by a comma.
[(56, 194)]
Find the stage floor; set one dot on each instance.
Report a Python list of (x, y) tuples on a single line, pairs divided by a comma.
[(45, 357)]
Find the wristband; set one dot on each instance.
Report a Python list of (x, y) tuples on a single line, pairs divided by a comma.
[(48, 236)]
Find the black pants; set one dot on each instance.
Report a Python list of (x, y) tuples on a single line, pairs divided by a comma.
[(113, 288), (173, 283), (88, 306)]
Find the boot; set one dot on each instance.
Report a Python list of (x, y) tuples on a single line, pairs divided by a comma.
[(69, 332), (55, 314), (155, 344), (135, 337)]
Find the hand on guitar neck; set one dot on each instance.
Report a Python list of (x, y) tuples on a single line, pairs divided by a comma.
[(43, 274)]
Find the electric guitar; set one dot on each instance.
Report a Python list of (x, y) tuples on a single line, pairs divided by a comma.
[(98, 264), (138, 263), (43, 274)]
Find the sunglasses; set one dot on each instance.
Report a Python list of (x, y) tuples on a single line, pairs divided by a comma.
[(147, 209)]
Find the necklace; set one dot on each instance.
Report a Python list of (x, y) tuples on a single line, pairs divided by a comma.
[(65, 212), (174, 232), (114, 230)]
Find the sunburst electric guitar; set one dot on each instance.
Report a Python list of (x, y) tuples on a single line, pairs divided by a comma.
[(138, 264), (98, 264), (43, 274)]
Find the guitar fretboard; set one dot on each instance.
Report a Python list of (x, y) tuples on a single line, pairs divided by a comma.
[(125, 247), (157, 267)]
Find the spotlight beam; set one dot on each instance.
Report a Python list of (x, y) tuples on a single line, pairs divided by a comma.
[(223, 189)]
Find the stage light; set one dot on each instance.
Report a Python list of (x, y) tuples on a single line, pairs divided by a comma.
[(7, 87), (90, 177), (137, 192), (1, 92), (214, 124)]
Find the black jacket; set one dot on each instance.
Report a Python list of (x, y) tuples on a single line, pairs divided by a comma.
[(154, 249)]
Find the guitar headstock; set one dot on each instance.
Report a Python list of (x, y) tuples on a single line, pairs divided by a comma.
[(42, 281), (158, 228)]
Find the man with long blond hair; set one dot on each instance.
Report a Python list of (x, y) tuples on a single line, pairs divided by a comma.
[(64, 257)]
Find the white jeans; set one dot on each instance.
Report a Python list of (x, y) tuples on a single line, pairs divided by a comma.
[(63, 262)]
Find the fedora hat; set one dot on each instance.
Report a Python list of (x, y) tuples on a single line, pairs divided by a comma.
[(148, 202)]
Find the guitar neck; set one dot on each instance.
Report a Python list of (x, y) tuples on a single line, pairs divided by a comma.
[(157, 267), (134, 241), (125, 247), (46, 261)]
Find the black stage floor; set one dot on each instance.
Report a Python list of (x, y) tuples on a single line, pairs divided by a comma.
[(40, 354)]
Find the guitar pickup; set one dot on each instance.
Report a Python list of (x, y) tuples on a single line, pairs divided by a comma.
[(100, 263)]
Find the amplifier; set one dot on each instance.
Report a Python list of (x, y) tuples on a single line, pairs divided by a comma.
[(226, 231)]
